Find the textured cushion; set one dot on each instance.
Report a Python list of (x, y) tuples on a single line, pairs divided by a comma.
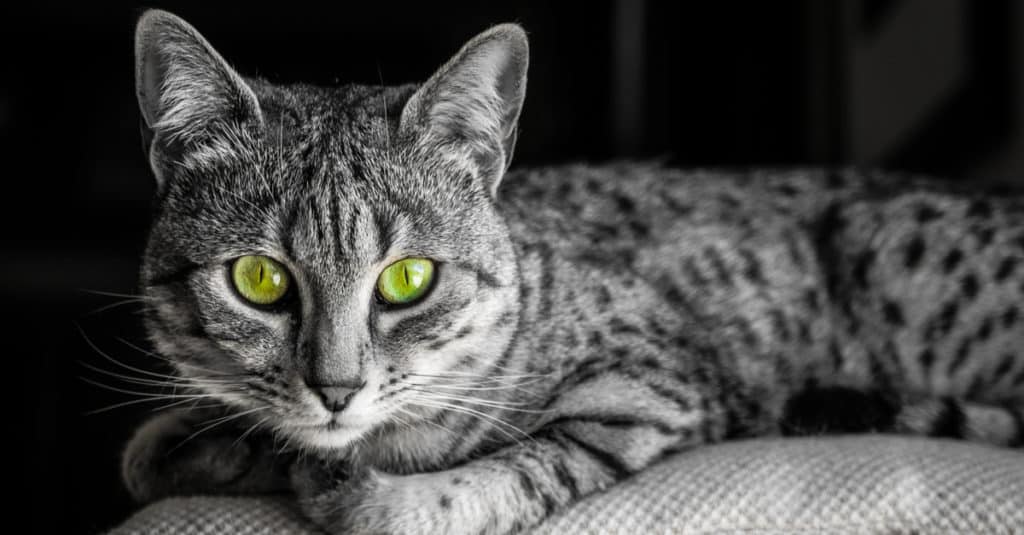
[(857, 484)]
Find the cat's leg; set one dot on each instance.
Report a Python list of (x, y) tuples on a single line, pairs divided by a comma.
[(513, 489), (172, 454)]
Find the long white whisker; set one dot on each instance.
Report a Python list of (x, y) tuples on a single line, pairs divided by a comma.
[(170, 381), (216, 422), (115, 294), (211, 373), (510, 406), (501, 424)]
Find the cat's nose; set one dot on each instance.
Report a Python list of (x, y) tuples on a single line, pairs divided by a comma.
[(336, 397)]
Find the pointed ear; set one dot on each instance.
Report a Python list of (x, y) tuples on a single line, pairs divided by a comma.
[(187, 92), (473, 101)]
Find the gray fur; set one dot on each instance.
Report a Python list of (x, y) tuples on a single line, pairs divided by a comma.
[(586, 321)]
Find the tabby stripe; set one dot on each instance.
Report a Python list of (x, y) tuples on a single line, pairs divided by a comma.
[(615, 420), (178, 275), (314, 213), (334, 220), (353, 226), (547, 282), (618, 468), (718, 264), (566, 479), (384, 230)]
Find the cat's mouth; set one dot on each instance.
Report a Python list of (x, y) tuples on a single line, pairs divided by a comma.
[(336, 432)]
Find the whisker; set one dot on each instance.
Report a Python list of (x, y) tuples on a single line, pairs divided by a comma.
[(477, 386), (452, 374), (170, 381), (115, 361), (116, 304), (513, 407), (187, 399), (250, 430), (115, 294), (213, 373), (501, 424), (216, 422)]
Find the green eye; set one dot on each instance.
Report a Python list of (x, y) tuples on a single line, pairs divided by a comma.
[(260, 279), (405, 281)]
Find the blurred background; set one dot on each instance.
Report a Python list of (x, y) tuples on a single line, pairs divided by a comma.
[(920, 85)]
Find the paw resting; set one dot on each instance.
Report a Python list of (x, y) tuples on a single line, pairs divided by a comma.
[(160, 462)]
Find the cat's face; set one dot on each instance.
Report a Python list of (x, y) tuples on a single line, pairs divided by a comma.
[(319, 256)]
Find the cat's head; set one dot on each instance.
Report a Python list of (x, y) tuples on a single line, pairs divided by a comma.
[(316, 251)]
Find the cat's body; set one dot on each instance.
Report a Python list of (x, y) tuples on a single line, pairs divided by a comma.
[(585, 322)]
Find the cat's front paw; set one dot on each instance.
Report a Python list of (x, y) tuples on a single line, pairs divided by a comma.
[(163, 458), (367, 501)]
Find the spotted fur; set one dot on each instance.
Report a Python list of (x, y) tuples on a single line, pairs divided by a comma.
[(586, 321)]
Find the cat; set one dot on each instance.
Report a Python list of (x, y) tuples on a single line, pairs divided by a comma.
[(413, 339)]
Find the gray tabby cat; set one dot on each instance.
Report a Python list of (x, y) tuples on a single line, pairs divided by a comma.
[(439, 346)]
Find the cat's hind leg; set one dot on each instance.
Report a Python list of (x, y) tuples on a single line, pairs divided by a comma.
[(838, 409)]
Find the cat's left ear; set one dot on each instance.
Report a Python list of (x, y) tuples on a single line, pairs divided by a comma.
[(472, 103)]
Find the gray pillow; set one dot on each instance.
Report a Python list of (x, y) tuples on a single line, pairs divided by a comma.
[(855, 484)]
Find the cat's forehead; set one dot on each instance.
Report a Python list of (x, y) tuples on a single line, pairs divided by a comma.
[(331, 114)]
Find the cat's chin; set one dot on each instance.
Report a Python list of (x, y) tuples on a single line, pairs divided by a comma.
[(328, 436)]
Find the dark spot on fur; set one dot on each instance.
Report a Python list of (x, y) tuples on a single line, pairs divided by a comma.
[(779, 325), (1006, 268), (893, 314), (980, 208), (812, 301), (985, 331), (1005, 365), (927, 358), (960, 356), (969, 285), (914, 252), (595, 339), (952, 260), (788, 190), (926, 213), (445, 501), (1010, 316), (651, 362), (985, 236), (640, 228), (752, 270), (861, 267), (619, 326), (625, 204)]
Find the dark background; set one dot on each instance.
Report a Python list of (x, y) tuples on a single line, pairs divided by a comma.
[(922, 85)]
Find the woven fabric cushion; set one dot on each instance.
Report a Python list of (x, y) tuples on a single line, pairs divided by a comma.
[(857, 484)]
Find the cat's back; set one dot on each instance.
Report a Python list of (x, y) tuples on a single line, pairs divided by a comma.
[(629, 206)]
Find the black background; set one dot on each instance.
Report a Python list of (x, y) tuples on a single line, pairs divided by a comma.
[(697, 84)]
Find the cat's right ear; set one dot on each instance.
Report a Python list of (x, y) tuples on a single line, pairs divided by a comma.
[(188, 94)]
